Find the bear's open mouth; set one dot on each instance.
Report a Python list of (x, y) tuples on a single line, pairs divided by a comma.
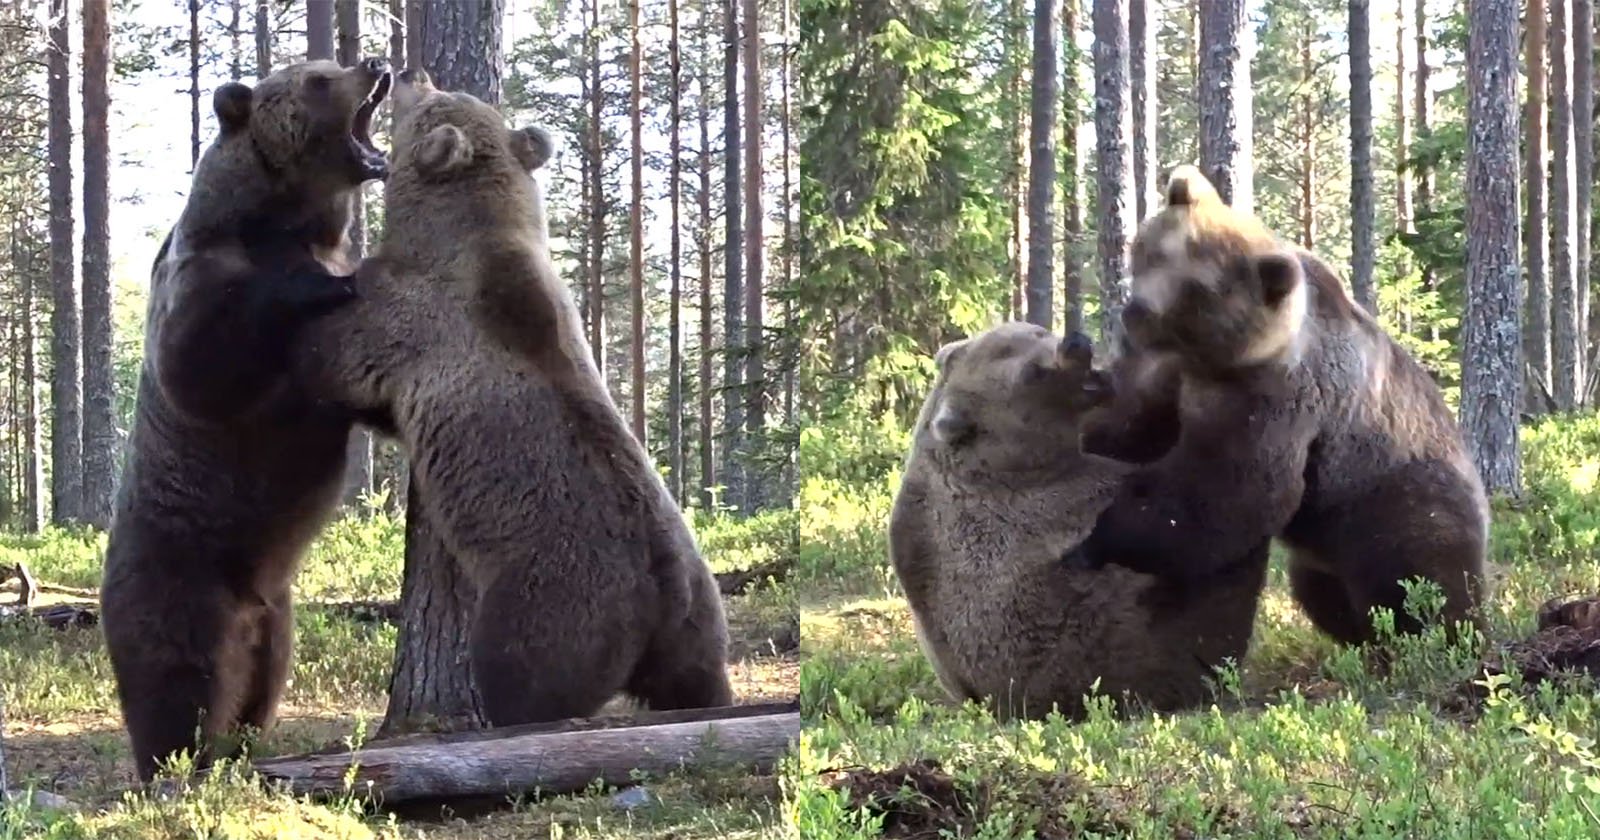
[(373, 162)]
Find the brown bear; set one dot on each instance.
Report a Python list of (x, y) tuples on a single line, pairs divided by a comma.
[(231, 467), (588, 580), (1300, 418), (996, 488)]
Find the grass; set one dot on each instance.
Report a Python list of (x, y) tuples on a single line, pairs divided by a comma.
[(1303, 740), (63, 733)]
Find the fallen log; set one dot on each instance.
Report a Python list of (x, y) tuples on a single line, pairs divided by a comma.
[(494, 763)]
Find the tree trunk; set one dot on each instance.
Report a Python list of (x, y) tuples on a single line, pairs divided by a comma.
[(1536, 340), (1042, 165), (1308, 143), (263, 39), (235, 40), (397, 42), (432, 677), (1114, 205), (1224, 100), (1422, 105), (1142, 55), (1072, 169), (636, 223), (194, 83), (754, 490), (319, 30), (791, 360), (66, 419), (1491, 366), (1583, 185), (33, 460), (358, 463), (732, 285), (1016, 25), (1363, 208), (597, 215), (675, 294), (708, 443), (1402, 124), (99, 418), (1563, 214)]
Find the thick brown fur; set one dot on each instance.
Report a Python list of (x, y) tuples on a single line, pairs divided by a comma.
[(231, 468), (995, 490), (588, 578), (1299, 418)]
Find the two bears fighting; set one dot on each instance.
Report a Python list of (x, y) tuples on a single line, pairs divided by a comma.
[(1059, 524), (267, 346)]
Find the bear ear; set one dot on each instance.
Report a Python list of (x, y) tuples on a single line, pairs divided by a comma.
[(231, 102), (442, 151), (1187, 186), (942, 359), (532, 147), (1279, 274)]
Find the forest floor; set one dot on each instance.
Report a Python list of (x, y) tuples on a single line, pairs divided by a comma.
[(1304, 739), (63, 734)]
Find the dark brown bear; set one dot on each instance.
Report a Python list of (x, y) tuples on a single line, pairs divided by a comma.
[(587, 577), (231, 468), (995, 489), (1299, 418)]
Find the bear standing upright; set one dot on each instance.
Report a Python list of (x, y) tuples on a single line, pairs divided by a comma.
[(588, 580), (1300, 418), (231, 468)]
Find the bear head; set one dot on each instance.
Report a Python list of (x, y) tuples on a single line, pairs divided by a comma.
[(309, 123), (1212, 286), (1011, 398), (448, 135)]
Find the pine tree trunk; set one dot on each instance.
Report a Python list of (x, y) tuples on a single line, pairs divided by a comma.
[(235, 40), (99, 419), (1563, 214), (66, 418), (1536, 340), (597, 215), (1363, 203), (319, 30), (1402, 126), (1308, 144), (1225, 101), (733, 285), (432, 677), (1042, 165), (707, 439), (1016, 42), (675, 294), (1422, 104), (791, 359), (33, 460), (1583, 185), (1491, 366), (636, 222), (1142, 56), (263, 39), (755, 489), (1114, 206), (1072, 170), (194, 83)]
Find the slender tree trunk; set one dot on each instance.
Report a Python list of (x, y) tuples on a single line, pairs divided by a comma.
[(32, 472), (1042, 165), (1072, 168), (1583, 186), (1363, 203), (358, 460), (598, 206), (1016, 44), (235, 40), (1536, 341), (1423, 106), (414, 25), (1113, 162), (733, 285), (1491, 367), (1225, 97), (675, 295), (319, 30), (460, 46), (66, 418), (1563, 214), (1308, 143), (755, 379), (791, 355), (99, 423), (708, 443), (263, 39), (397, 41), (636, 223), (1143, 25), (194, 83), (1402, 126)]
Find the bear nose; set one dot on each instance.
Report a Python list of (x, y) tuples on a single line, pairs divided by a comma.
[(376, 66)]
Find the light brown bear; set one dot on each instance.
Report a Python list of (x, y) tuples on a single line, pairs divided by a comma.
[(588, 579), (1300, 418), (995, 490), (231, 467)]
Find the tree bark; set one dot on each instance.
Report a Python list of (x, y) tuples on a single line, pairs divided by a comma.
[(33, 460), (708, 443), (194, 83), (99, 423), (636, 223), (1308, 142), (432, 678), (754, 480), (1143, 25), (732, 280), (319, 30), (675, 293), (1583, 186), (1563, 214), (597, 206), (1363, 203), (1016, 44), (1042, 165), (791, 360), (1114, 165), (1225, 101), (1491, 369), (1072, 169), (263, 39), (1536, 340), (1423, 106), (1402, 126), (66, 418), (358, 459), (235, 40), (414, 26)]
